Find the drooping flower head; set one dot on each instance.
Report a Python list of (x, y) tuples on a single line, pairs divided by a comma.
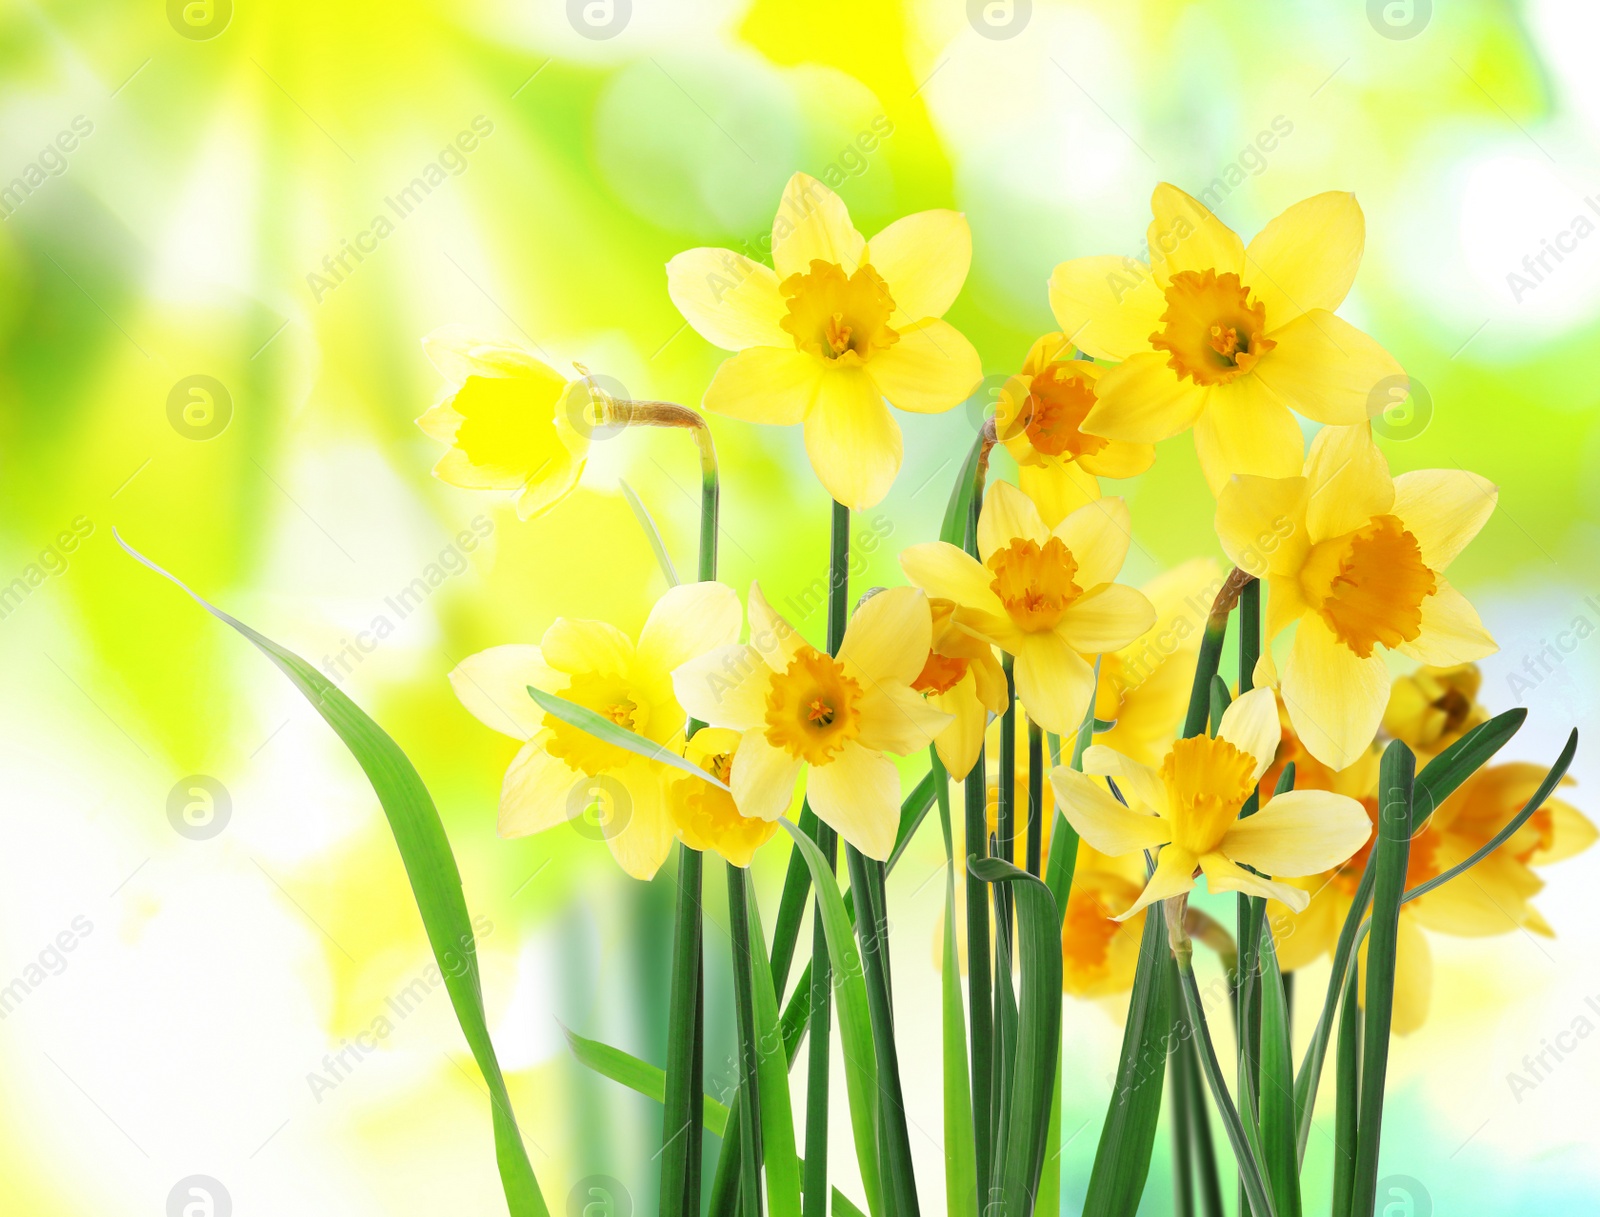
[(1044, 595), (707, 818), (802, 711), (1039, 418), (561, 771), (837, 326), (1434, 707), (511, 422), (1357, 558), (1228, 339), (1189, 809)]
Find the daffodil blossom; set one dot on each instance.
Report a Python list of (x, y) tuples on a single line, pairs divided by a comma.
[(800, 711), (1189, 809), (706, 816), (1228, 339), (1357, 558), (1044, 595), (963, 678), (561, 770), (834, 328)]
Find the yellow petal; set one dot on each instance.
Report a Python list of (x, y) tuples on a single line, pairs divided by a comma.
[(1140, 784), (513, 431), (1119, 459), (1286, 603), (960, 742), (1494, 900), (1250, 724), (540, 791), (1052, 680), (1142, 400), (726, 687), (771, 635), (953, 574), (897, 719), (1102, 821), (1059, 488), (1303, 938), (1106, 619), (458, 352), (763, 777), (777, 385), (1246, 428), (641, 837), (1106, 306), (932, 368), (857, 794), (730, 301), (813, 222), (440, 422), (1184, 235), (1174, 875), (1328, 370), (1335, 699), (924, 259), (573, 645), (1444, 509), (1300, 832), (1307, 257), (852, 440), (1570, 833), (1413, 977), (1223, 876), (1451, 630), (1348, 482), (493, 686), (1261, 524), (1008, 515), (1098, 534), (888, 637), (686, 622), (538, 496)]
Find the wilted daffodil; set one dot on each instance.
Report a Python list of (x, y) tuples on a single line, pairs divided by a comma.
[(1434, 707), (1228, 339), (799, 710), (838, 327), (1043, 595), (1039, 418), (508, 421), (562, 770), (707, 817), (963, 678), (1189, 807), (1358, 559)]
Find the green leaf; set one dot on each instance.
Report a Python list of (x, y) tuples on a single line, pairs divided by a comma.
[(960, 1143), (651, 532), (435, 882), (1020, 1161), (602, 728), (1279, 1142), (1347, 1094), (1440, 776), (680, 1120), (954, 529), (1219, 702), (777, 1113), (855, 1026), (639, 1076)]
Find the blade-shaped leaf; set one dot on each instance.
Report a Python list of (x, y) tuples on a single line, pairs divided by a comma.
[(1279, 1143), (960, 1144), (651, 532), (602, 728), (777, 1115), (639, 1076)]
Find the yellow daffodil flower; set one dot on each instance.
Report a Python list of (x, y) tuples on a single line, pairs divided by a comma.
[(1434, 707), (1044, 595), (507, 419), (963, 678), (1358, 559), (1039, 418), (1144, 687), (1189, 807), (802, 711), (1227, 339), (1099, 949), (560, 770), (839, 326), (707, 818)]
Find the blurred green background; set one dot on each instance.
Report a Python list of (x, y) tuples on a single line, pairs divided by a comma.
[(172, 179)]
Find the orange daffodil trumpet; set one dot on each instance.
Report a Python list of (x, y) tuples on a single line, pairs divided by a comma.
[(1225, 338), (837, 326), (1044, 595), (508, 419), (1189, 809), (799, 710), (1357, 558), (561, 770)]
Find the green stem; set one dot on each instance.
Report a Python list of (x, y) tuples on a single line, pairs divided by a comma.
[(1035, 797), (980, 1009), (749, 1049), (1347, 1094)]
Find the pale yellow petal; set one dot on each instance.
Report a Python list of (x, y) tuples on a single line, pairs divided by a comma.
[(686, 622), (1307, 257), (457, 352), (537, 496), (763, 777), (1250, 724), (772, 384), (641, 836), (726, 687), (1098, 535), (813, 223), (888, 637), (771, 635), (440, 422), (1335, 699), (1140, 784), (1184, 235), (1444, 509), (1118, 459), (1452, 632), (1223, 876), (1008, 515), (953, 574), (1246, 428), (857, 794), (852, 440), (924, 259), (1261, 524), (897, 719), (1413, 977), (1174, 875), (540, 791), (1286, 603), (960, 742), (1053, 681), (1328, 370), (929, 370), (1300, 832), (730, 301), (1058, 487), (1348, 482), (493, 686), (1100, 820), (1106, 306), (572, 645), (1106, 619), (1142, 400)]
